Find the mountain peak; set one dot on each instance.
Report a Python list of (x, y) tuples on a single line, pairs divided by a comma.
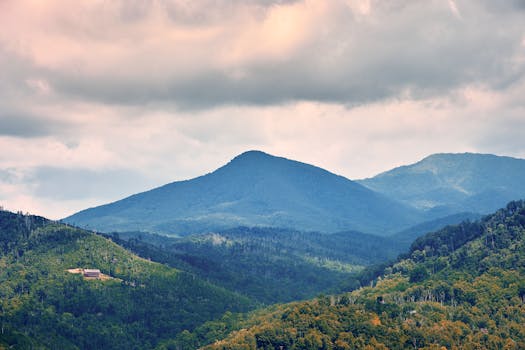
[(252, 155), (254, 189), (454, 182), (460, 156), (255, 160)]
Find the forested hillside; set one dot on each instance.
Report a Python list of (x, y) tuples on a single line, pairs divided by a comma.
[(137, 305), (460, 288), (267, 264)]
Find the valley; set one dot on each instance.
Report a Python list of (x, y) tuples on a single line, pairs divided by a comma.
[(266, 264)]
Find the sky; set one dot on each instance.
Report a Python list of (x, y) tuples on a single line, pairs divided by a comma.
[(103, 99)]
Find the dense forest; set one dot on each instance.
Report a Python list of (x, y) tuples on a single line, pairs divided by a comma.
[(138, 306), (459, 288), (268, 265)]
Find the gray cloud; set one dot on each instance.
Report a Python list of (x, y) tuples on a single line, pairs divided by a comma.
[(418, 51), (503, 6), (23, 89), (15, 70), (8, 176), (66, 184), (504, 134), (21, 124), (192, 13)]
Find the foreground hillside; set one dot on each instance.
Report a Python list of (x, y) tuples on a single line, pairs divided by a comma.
[(460, 288), (254, 189), (445, 184), (136, 306)]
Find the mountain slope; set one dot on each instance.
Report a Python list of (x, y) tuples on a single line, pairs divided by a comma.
[(451, 183), (138, 304), (406, 237), (459, 288), (254, 189)]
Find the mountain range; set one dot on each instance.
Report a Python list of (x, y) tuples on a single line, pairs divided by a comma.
[(459, 287), (256, 189)]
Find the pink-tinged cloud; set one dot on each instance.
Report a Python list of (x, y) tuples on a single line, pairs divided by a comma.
[(215, 53)]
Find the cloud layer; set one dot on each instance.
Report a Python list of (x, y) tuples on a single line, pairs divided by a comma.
[(165, 90)]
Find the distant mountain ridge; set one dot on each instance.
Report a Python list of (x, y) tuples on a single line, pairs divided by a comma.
[(449, 183), (254, 189)]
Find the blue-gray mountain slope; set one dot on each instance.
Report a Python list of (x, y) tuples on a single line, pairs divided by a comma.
[(444, 184), (254, 189)]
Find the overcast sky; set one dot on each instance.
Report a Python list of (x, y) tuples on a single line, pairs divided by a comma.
[(103, 99)]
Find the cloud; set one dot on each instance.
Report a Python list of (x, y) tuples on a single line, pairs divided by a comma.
[(19, 124), (23, 188), (204, 54), (75, 184), (454, 8)]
